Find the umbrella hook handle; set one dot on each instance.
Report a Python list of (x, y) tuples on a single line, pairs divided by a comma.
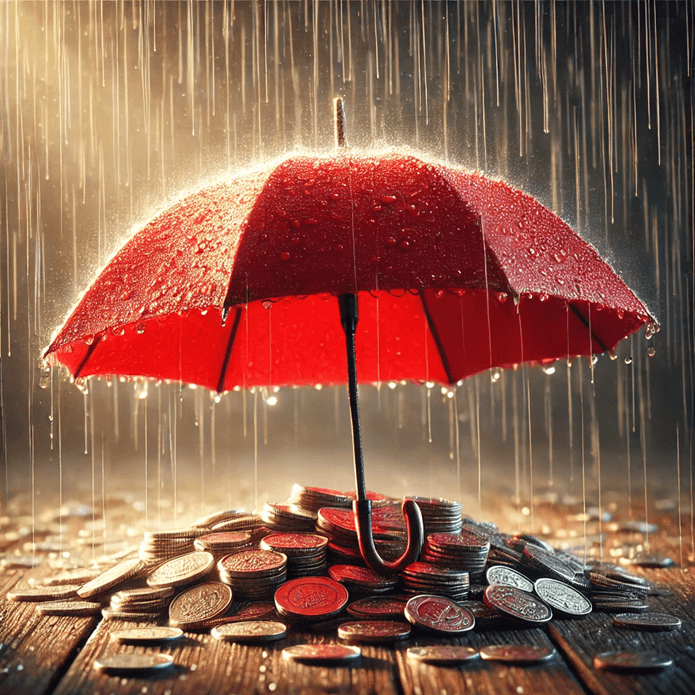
[(362, 507), (362, 510)]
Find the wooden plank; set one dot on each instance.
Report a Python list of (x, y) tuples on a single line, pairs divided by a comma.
[(486, 676), (581, 640), (204, 665)]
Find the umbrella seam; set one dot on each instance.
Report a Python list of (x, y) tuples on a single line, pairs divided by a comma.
[(594, 337), (437, 341), (85, 359), (228, 350)]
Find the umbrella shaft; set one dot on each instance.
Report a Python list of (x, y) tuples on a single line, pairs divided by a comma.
[(348, 319)]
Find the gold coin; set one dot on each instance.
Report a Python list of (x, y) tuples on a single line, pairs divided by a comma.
[(111, 578), (199, 604), (182, 570)]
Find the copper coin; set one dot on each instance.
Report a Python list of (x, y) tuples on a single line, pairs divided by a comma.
[(252, 563), (111, 578), (373, 631), (133, 664), (443, 654), (224, 540), (250, 631), (311, 597), (438, 614), (377, 607), (147, 635), (294, 543), (322, 653), (182, 570), (633, 661), (199, 604), (517, 604), (517, 653)]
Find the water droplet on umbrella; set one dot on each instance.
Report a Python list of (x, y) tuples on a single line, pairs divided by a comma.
[(140, 328), (543, 296), (388, 199), (126, 294), (295, 240), (296, 223), (88, 338), (628, 360), (390, 241), (81, 384), (502, 297), (266, 304), (285, 256), (559, 281), (45, 378), (413, 211), (404, 244), (651, 351)]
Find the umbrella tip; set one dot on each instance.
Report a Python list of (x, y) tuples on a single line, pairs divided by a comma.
[(340, 139)]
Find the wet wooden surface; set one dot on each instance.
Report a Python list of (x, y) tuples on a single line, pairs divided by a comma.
[(44, 655)]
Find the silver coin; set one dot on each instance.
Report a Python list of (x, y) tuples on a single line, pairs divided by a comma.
[(133, 664), (517, 604), (517, 653), (506, 576), (373, 631), (250, 631), (634, 661), (443, 654), (651, 622), (562, 597), (74, 608), (147, 635), (322, 654)]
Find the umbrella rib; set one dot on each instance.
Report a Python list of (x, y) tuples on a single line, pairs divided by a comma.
[(437, 341), (597, 340), (85, 359), (228, 350)]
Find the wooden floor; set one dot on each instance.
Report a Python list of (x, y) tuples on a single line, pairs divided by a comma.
[(55, 655)]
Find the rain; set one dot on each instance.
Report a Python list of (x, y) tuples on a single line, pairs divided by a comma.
[(111, 112)]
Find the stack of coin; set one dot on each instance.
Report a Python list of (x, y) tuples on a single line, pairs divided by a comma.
[(223, 543), (254, 573), (439, 515), (362, 581), (143, 603), (284, 517), (423, 578), (159, 546), (465, 551), (314, 498), (618, 592), (388, 529), (540, 562), (238, 522), (306, 552)]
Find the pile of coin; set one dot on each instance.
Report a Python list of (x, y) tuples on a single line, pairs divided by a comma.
[(314, 498), (439, 515), (158, 546), (223, 543), (617, 591), (254, 573), (286, 517), (305, 552), (464, 551), (424, 578), (362, 581), (142, 603)]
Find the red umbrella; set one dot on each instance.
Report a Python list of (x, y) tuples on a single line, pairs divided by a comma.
[(236, 284)]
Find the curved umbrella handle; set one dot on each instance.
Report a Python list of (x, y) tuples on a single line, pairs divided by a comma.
[(362, 510)]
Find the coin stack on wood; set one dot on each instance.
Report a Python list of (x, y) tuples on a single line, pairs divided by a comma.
[(139, 604), (254, 573), (305, 552), (613, 591), (439, 515), (424, 578), (158, 546), (463, 552)]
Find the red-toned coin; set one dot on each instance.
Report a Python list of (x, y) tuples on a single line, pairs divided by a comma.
[(351, 574), (252, 563), (311, 597), (374, 631), (438, 614), (377, 607), (294, 543), (321, 653)]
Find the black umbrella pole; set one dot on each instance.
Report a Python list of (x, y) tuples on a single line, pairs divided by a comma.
[(362, 507)]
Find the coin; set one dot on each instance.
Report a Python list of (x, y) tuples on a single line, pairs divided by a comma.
[(506, 576), (438, 614), (651, 622), (181, 570), (562, 597), (252, 563), (79, 575), (143, 593), (250, 631), (373, 631), (322, 653), (199, 604), (133, 664), (254, 611), (377, 607), (132, 616), (75, 608), (44, 593), (311, 597), (147, 635), (517, 653), (295, 543), (361, 578), (517, 604), (111, 578), (443, 654), (549, 564), (223, 541), (634, 661)]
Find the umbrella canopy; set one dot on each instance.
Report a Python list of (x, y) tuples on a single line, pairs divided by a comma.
[(455, 272)]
